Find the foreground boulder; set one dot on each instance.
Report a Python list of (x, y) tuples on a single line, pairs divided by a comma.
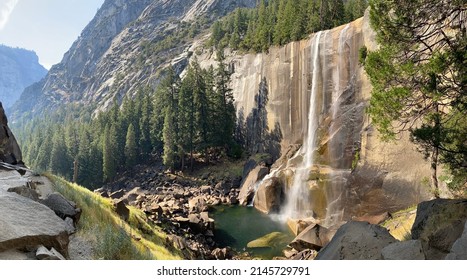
[(438, 224), (247, 189), (357, 241), (405, 250), (26, 224), (62, 206), (459, 248)]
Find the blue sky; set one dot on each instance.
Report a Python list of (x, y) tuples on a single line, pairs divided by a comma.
[(49, 27)]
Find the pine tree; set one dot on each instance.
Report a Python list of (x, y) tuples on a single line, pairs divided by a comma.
[(418, 77), (110, 160), (145, 125), (131, 149), (59, 163)]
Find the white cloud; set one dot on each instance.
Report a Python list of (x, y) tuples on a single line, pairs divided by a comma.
[(6, 8)]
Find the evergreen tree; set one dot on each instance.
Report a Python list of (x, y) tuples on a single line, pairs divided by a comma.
[(186, 115), (110, 159), (145, 125), (59, 163), (418, 78), (131, 149)]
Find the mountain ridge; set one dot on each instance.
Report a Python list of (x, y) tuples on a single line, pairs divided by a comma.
[(20, 68), (100, 64)]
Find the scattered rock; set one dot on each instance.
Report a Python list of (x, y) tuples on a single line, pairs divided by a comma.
[(307, 254), (297, 226), (356, 241), (122, 210), (206, 189), (313, 237), (222, 254), (405, 250), (177, 241), (117, 194), (197, 205), (43, 253)]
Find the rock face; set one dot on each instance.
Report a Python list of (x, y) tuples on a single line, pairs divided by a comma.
[(103, 61), (357, 241), (439, 223), (20, 68), (357, 174), (9, 149)]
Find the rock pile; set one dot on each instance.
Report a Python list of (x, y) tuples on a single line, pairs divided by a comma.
[(183, 212)]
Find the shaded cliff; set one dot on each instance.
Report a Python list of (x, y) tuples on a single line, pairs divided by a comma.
[(9, 150), (19, 69)]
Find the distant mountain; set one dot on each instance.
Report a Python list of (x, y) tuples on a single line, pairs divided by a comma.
[(122, 49), (19, 68)]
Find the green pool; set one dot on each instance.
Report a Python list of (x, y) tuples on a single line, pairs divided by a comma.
[(236, 226)]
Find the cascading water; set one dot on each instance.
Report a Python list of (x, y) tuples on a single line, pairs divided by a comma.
[(297, 201)]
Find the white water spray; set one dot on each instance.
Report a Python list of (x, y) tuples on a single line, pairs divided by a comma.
[(297, 202)]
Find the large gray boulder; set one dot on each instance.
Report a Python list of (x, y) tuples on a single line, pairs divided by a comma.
[(405, 250), (25, 224), (438, 224), (62, 206), (247, 189), (268, 197), (357, 241), (459, 248)]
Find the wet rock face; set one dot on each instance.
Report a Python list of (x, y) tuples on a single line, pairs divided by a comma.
[(368, 176), (9, 148)]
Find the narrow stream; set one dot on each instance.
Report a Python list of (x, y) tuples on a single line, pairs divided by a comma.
[(236, 226)]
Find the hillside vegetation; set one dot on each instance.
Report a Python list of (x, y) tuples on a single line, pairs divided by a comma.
[(110, 237)]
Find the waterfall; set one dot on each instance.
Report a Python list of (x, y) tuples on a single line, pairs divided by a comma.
[(297, 203)]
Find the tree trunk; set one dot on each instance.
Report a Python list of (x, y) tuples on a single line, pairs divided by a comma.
[(434, 172), (75, 171)]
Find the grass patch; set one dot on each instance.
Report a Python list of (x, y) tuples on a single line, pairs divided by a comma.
[(110, 236), (400, 225)]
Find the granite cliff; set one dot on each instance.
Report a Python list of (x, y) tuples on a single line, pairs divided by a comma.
[(318, 85)]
